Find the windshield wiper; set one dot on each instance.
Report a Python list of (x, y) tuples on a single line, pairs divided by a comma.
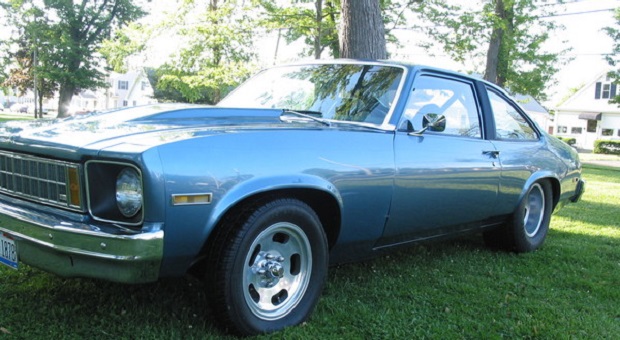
[(309, 115)]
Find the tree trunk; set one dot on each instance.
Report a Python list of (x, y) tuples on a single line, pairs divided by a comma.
[(362, 34), (490, 73), (318, 22), (39, 104), (66, 94), (499, 47)]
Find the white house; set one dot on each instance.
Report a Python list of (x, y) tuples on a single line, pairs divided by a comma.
[(587, 115), (127, 89)]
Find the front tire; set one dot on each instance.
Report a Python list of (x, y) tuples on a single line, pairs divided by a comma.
[(270, 268)]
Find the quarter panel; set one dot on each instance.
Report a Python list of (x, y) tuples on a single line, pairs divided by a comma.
[(522, 164)]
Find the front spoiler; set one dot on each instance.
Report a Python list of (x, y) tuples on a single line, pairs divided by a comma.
[(71, 245)]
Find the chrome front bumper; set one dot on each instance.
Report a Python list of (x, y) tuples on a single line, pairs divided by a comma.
[(69, 244)]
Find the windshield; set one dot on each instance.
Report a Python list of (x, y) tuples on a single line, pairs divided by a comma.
[(348, 92)]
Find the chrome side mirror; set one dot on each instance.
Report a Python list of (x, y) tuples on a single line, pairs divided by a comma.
[(432, 122)]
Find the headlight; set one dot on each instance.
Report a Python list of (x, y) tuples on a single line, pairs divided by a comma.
[(129, 192)]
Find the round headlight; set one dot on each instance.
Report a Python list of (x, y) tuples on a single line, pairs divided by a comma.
[(129, 192)]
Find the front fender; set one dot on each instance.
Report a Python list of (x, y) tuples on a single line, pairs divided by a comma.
[(260, 185)]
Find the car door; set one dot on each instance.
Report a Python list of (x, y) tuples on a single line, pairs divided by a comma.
[(444, 180)]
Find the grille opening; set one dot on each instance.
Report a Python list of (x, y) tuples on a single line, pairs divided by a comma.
[(42, 180)]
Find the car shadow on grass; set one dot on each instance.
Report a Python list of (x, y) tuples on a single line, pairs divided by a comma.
[(45, 305)]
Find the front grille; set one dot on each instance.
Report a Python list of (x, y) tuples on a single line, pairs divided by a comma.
[(43, 180)]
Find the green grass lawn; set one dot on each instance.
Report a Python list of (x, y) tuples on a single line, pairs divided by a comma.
[(456, 289), (6, 117)]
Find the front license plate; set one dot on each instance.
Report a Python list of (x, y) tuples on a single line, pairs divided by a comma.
[(8, 251)]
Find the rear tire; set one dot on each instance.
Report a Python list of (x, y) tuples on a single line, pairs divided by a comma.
[(268, 271), (528, 227)]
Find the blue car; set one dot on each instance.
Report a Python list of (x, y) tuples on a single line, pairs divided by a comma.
[(300, 167)]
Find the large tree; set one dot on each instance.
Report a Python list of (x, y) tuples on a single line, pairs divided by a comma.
[(501, 38), (67, 37), (614, 58), (362, 31)]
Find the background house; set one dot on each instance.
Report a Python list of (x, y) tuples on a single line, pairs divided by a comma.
[(129, 89), (587, 115), (126, 89)]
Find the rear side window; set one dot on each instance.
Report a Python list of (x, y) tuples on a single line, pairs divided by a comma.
[(448, 97), (509, 122)]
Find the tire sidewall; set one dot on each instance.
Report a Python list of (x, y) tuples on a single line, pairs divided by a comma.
[(522, 241), (282, 210)]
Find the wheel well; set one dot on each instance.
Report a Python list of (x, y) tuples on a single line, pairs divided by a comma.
[(324, 205), (555, 189)]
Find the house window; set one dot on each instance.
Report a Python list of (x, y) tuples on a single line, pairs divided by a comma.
[(135, 103), (143, 86), (591, 125), (618, 132), (607, 132), (562, 129), (576, 130), (123, 84), (605, 90), (124, 103)]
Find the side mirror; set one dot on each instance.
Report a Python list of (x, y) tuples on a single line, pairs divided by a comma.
[(432, 122)]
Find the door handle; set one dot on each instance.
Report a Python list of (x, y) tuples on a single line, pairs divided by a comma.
[(492, 153)]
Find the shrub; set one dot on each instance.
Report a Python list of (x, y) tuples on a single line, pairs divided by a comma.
[(611, 147), (567, 140)]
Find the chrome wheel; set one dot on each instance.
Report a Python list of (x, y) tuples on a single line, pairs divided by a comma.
[(534, 210), (277, 272), (267, 266)]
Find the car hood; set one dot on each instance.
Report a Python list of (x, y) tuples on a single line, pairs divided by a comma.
[(139, 127)]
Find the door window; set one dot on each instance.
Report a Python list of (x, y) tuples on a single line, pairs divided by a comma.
[(453, 99)]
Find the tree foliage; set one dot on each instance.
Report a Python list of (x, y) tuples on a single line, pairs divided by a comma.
[(314, 21), (67, 34), (216, 53), (614, 58), (26, 72), (213, 40), (504, 40)]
